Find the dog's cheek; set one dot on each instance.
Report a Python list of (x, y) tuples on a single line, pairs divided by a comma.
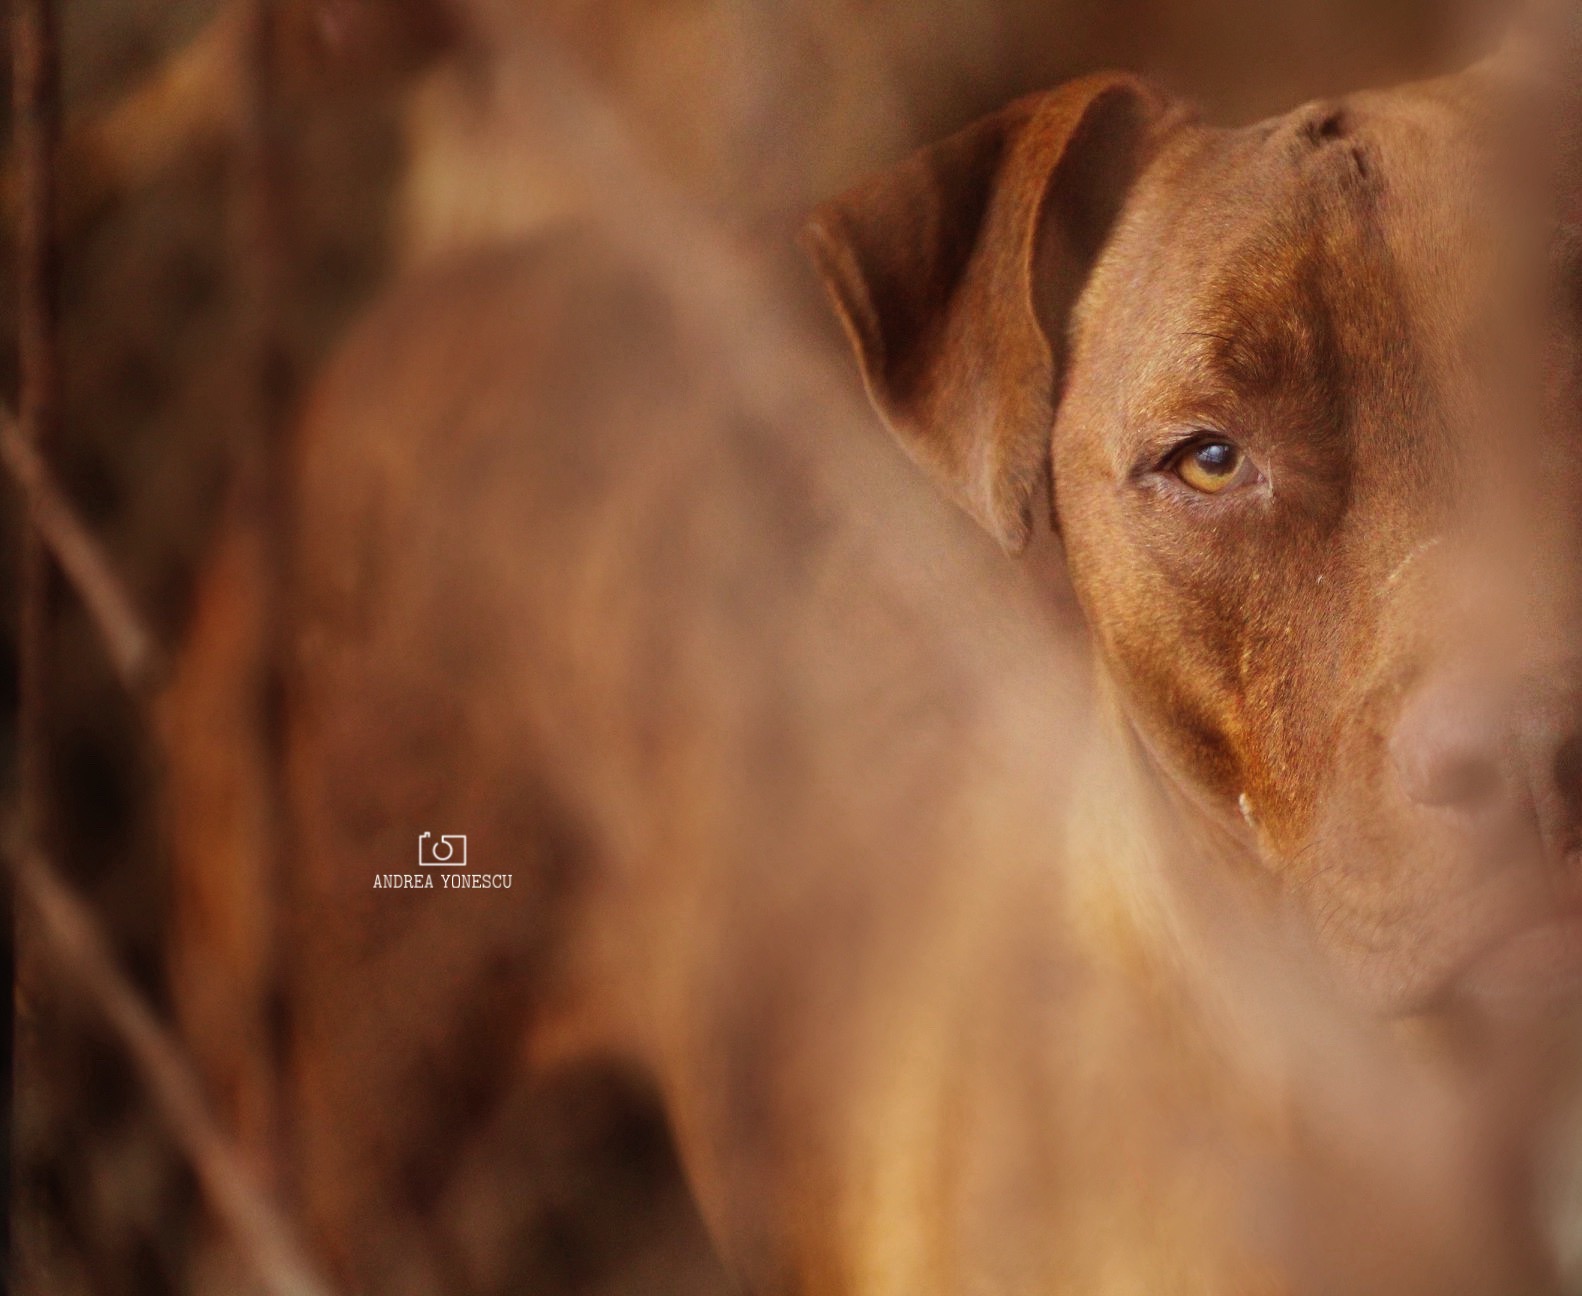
[(1169, 677), (1301, 662), (1233, 675), (1193, 618)]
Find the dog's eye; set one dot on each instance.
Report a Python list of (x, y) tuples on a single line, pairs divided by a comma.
[(1210, 466)]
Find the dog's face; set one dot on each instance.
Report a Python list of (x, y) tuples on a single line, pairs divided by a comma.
[(1311, 464)]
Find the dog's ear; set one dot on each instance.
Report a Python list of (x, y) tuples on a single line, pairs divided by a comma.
[(956, 272)]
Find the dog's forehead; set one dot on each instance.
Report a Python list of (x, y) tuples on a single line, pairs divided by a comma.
[(1353, 229), (1337, 187)]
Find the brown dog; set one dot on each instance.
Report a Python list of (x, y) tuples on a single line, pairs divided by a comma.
[(1253, 466), (941, 988)]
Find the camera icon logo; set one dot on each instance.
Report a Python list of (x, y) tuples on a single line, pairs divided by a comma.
[(449, 851)]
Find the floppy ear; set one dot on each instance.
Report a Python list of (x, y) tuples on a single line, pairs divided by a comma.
[(955, 275)]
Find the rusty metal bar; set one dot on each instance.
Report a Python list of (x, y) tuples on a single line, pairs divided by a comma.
[(36, 112), (264, 251), (263, 238), (35, 84)]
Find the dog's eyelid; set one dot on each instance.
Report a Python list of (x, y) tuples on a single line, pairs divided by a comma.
[(1159, 467), (1160, 452)]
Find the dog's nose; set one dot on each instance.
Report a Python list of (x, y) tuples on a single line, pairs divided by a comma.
[(1473, 746), (1448, 747)]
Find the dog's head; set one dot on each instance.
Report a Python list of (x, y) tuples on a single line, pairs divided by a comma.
[(1282, 389)]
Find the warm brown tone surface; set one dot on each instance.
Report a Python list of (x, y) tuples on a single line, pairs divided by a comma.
[(412, 137), (955, 953)]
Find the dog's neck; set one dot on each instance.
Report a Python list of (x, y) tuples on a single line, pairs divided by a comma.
[(1137, 827), (1169, 892)]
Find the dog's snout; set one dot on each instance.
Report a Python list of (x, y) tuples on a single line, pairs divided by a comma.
[(1449, 749), (1471, 745)]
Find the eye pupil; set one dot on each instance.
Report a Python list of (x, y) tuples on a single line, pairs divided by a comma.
[(1216, 457)]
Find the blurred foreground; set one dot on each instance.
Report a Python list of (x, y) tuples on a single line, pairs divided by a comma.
[(415, 133)]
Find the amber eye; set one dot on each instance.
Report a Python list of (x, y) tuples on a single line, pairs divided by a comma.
[(1210, 466)]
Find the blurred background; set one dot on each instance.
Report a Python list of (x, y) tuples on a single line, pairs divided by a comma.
[(407, 139)]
